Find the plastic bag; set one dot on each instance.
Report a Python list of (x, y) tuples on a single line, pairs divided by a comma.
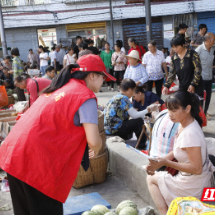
[(19, 106), (203, 117), (190, 206), (5, 186), (3, 96)]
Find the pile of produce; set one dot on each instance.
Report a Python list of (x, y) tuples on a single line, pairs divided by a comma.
[(126, 207)]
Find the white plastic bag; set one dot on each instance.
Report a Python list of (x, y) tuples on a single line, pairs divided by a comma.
[(5, 186), (19, 106)]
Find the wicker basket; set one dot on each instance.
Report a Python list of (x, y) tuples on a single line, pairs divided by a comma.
[(100, 121), (96, 173), (103, 136)]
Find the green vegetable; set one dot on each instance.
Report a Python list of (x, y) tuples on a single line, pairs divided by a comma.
[(124, 204), (100, 209), (111, 213), (89, 213), (128, 211)]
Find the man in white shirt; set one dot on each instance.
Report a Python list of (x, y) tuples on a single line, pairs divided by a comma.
[(53, 57), (206, 54), (154, 60)]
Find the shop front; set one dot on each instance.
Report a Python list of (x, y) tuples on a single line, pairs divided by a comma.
[(93, 30)]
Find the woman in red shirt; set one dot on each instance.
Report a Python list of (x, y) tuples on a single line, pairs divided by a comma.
[(43, 152), (33, 86), (133, 43)]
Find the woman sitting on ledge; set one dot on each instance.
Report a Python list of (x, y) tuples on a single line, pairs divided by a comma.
[(190, 150)]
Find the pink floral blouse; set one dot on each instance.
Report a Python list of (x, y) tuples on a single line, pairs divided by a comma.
[(119, 57)]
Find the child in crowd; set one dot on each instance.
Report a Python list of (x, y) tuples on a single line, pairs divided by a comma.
[(50, 73), (118, 111), (136, 71)]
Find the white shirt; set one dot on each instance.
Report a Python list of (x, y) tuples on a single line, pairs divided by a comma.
[(44, 62), (69, 59), (52, 55), (123, 50), (154, 64), (168, 60)]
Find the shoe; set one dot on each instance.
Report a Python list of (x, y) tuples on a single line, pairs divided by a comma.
[(108, 87), (112, 89)]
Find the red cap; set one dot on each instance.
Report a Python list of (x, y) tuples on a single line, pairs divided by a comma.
[(92, 63)]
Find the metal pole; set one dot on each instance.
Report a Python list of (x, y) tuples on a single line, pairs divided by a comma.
[(148, 19), (111, 21), (3, 39)]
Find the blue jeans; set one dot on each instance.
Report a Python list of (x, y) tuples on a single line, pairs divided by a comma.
[(43, 70)]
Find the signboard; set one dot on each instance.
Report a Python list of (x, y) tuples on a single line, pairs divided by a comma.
[(168, 34)]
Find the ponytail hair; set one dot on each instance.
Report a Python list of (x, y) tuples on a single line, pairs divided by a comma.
[(183, 99), (63, 78)]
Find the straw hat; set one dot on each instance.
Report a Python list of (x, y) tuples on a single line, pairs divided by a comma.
[(134, 54)]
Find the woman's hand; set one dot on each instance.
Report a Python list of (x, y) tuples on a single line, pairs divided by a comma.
[(153, 107), (165, 91), (159, 163), (150, 169), (93, 154), (138, 82), (10, 72), (191, 89)]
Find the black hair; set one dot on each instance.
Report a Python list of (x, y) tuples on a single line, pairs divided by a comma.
[(7, 57), (49, 69), (64, 76), (26, 68), (139, 89), (152, 42), (53, 48), (86, 41), (107, 43), (91, 41), (83, 45), (119, 44), (127, 84), (41, 47), (6, 68), (203, 26), (78, 37), (183, 98), (132, 40), (15, 51), (182, 26), (30, 50), (22, 77), (33, 66), (7, 81), (177, 41), (70, 48)]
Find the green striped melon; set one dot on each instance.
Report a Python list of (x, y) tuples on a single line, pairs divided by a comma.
[(111, 213), (100, 209), (128, 211), (89, 213), (124, 204)]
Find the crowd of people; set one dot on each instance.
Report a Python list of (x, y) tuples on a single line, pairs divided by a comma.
[(67, 104)]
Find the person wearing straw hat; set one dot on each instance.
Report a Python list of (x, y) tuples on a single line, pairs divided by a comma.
[(43, 152), (136, 71)]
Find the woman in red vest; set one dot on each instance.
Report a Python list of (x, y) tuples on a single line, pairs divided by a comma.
[(32, 85), (43, 152), (133, 43)]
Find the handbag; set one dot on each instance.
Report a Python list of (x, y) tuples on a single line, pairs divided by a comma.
[(171, 170)]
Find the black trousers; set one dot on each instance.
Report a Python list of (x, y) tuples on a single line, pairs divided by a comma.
[(111, 72), (158, 85), (20, 94), (29, 201), (207, 87), (130, 126), (119, 76)]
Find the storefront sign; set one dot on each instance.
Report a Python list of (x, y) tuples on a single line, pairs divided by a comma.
[(168, 34)]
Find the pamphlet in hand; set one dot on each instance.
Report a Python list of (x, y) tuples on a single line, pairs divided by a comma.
[(141, 153)]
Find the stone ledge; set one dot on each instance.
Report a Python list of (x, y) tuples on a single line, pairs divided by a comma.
[(127, 166)]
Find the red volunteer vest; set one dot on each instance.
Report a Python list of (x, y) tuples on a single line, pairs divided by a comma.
[(45, 148)]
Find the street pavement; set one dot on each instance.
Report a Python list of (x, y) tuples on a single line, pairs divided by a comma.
[(112, 190)]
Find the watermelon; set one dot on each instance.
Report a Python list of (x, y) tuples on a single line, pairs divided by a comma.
[(111, 213), (128, 211), (89, 213), (124, 204), (100, 209)]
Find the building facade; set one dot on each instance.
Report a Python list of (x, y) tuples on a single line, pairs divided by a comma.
[(29, 23)]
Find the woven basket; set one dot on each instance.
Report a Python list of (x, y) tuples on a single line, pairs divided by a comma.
[(103, 136), (96, 173), (100, 121)]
